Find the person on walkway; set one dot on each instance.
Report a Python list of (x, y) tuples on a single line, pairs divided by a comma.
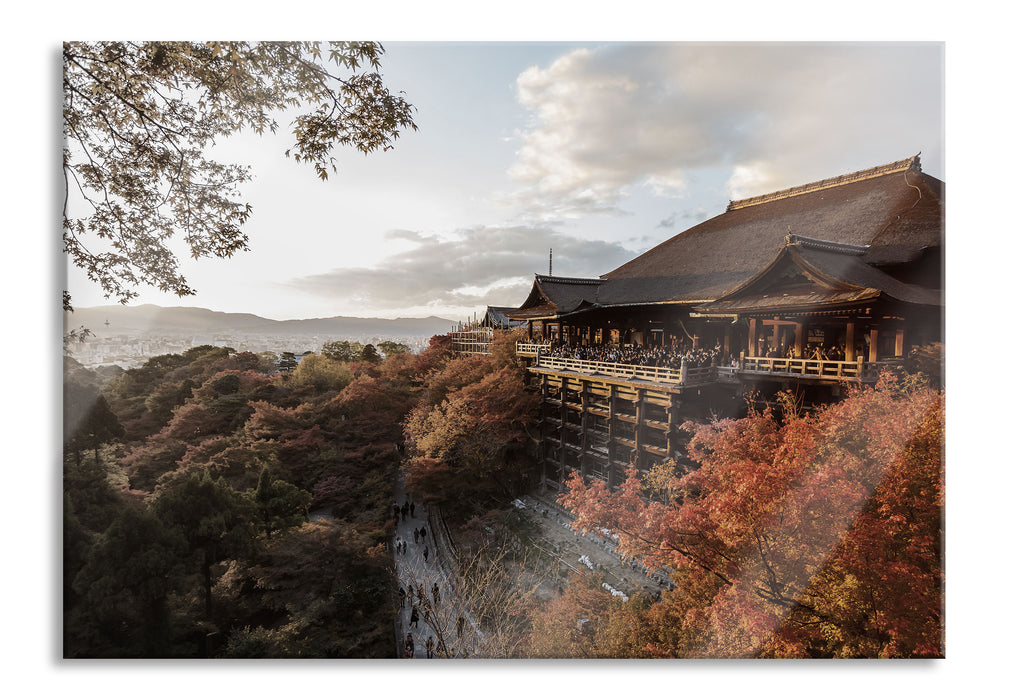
[(402, 597), (406, 509), (409, 592), (429, 647), (423, 533), (408, 647), (425, 554), (414, 618), (416, 535), (411, 509)]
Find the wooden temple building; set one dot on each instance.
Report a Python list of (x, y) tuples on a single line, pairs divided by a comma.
[(806, 289)]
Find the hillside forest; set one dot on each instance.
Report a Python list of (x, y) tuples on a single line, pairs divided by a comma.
[(232, 505)]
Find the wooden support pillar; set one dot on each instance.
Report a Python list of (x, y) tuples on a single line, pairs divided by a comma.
[(584, 458), (639, 426), (564, 427), (751, 348), (776, 338), (672, 422), (611, 444), (800, 338), (849, 342), (543, 430), (873, 344), (898, 343)]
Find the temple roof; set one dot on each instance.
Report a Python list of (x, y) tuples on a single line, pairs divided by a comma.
[(889, 215), (496, 317), (552, 296), (895, 207), (810, 272)]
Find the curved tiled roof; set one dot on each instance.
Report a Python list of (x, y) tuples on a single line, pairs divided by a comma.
[(887, 215), (895, 207), (838, 274), (556, 295)]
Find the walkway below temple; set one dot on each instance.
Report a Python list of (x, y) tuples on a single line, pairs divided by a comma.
[(622, 575), (440, 617)]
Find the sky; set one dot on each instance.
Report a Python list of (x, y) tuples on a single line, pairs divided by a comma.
[(596, 151)]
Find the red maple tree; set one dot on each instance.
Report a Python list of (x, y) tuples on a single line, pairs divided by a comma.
[(819, 534)]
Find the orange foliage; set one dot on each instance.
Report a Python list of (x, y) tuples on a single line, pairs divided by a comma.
[(817, 536)]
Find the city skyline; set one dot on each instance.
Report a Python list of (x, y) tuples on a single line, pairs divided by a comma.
[(594, 151)]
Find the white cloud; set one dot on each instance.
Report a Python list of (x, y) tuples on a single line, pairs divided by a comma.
[(480, 266), (772, 115)]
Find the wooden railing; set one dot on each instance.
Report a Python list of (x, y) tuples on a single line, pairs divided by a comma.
[(826, 369), (665, 375), (838, 370), (530, 349)]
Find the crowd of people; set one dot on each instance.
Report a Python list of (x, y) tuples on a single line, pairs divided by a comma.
[(422, 601), (656, 356), (810, 352), (675, 357)]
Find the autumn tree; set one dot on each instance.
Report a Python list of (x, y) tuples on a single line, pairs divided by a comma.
[(138, 118), (343, 350), (480, 431), (322, 373), (817, 535), (281, 505), (318, 590), (216, 522), (370, 354), (124, 586), (390, 347), (88, 421)]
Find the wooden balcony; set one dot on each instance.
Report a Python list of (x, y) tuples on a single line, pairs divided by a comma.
[(836, 370), (663, 375), (530, 349)]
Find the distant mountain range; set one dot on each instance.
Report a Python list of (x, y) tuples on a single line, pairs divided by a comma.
[(149, 318)]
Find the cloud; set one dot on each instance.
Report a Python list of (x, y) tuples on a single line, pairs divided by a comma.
[(478, 266), (766, 116)]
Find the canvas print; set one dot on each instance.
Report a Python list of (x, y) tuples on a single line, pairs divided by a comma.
[(480, 351)]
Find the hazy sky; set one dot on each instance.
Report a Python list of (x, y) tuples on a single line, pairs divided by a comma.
[(598, 151)]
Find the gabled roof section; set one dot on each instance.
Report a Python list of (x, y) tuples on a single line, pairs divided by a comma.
[(552, 296), (894, 207), (812, 272), (496, 317)]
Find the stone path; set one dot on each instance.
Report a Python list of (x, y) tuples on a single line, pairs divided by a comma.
[(620, 575), (439, 620), (418, 575)]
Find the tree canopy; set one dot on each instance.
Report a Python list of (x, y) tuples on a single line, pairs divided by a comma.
[(819, 536), (139, 116)]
